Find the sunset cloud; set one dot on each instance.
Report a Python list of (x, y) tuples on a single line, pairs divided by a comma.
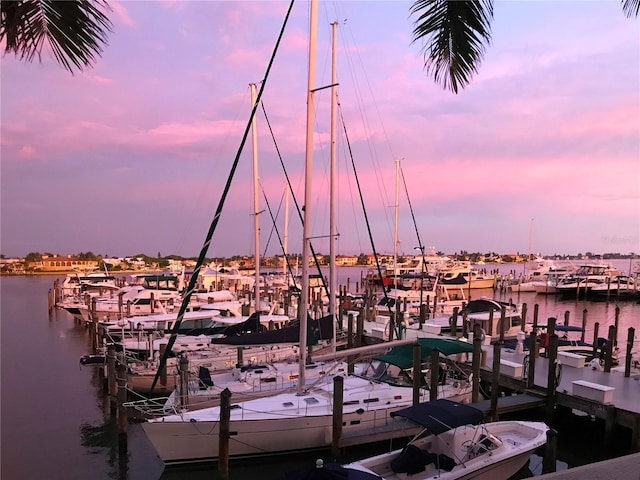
[(549, 128)]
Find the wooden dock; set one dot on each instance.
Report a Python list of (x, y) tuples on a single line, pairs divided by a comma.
[(621, 468), (611, 396)]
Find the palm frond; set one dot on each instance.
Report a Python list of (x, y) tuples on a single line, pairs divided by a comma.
[(631, 8), (75, 31), (455, 34)]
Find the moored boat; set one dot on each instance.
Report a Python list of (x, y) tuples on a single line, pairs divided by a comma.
[(581, 282), (619, 287), (455, 444), (293, 421)]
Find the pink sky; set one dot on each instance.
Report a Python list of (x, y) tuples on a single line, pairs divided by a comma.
[(132, 155)]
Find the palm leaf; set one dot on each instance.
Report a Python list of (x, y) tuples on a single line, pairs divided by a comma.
[(631, 8), (454, 35), (75, 31)]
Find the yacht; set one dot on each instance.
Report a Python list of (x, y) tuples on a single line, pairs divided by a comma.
[(580, 282)]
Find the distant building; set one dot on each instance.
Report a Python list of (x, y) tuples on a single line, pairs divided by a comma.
[(62, 264), (346, 260)]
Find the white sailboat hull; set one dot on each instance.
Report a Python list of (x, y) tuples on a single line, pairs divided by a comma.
[(282, 423)]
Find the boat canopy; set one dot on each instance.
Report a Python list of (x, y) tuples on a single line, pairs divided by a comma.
[(482, 305), (441, 415), (402, 355)]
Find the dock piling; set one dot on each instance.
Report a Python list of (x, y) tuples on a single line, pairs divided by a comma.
[(495, 380), (224, 434), (112, 383), (631, 334), (123, 419), (550, 452), (475, 363), (336, 432), (417, 369)]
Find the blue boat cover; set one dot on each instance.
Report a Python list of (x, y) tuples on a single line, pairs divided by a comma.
[(330, 471), (563, 328), (441, 415)]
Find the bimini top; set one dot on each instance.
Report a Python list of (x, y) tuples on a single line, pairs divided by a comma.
[(441, 415), (402, 356)]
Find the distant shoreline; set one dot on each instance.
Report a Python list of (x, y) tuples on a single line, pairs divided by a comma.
[(66, 272)]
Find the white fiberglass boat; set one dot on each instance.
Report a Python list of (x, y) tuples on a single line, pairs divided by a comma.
[(300, 421), (455, 445)]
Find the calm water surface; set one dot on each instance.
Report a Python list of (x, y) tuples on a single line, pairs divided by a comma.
[(54, 423)]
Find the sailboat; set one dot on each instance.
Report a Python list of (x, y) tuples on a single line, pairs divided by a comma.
[(288, 422), (303, 419)]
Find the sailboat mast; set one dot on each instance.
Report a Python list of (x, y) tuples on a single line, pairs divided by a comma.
[(285, 243), (395, 231), (256, 212), (333, 235), (530, 247), (306, 229)]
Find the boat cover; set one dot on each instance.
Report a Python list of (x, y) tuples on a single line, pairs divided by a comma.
[(320, 329), (402, 356), (441, 415), (329, 471), (567, 328)]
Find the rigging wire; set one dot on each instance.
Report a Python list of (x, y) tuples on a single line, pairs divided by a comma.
[(373, 248), (275, 228), (353, 58), (413, 217), (214, 222), (295, 201)]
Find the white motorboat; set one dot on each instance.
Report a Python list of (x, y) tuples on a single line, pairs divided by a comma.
[(456, 445), (467, 276), (545, 269), (619, 287), (484, 311), (546, 287), (78, 283), (293, 421), (439, 299), (580, 282)]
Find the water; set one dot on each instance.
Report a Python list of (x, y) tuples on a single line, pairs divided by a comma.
[(56, 425)]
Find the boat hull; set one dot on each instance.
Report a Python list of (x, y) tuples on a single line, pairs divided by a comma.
[(195, 442), (182, 440), (467, 456)]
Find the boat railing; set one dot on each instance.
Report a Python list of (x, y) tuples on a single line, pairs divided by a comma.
[(150, 407)]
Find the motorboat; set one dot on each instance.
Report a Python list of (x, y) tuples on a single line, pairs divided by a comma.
[(580, 282), (440, 299), (483, 311), (456, 444), (466, 276), (544, 274), (79, 283), (619, 287), (302, 420)]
